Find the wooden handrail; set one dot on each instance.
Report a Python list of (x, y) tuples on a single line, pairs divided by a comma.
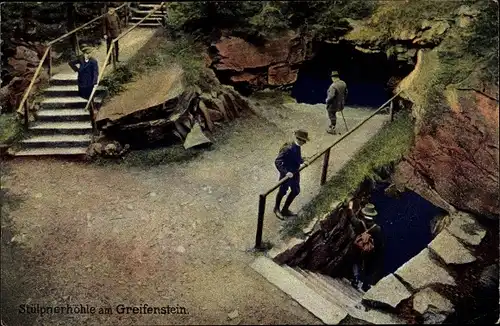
[(108, 55), (47, 51), (326, 152), (84, 25)]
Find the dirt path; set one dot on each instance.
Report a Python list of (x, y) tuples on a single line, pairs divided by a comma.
[(169, 235)]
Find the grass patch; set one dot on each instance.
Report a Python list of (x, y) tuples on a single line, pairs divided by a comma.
[(11, 128), (152, 157), (386, 147), (183, 51)]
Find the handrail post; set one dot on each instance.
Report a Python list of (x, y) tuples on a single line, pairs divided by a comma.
[(26, 118), (391, 110), (113, 54), (326, 160), (260, 222), (50, 61)]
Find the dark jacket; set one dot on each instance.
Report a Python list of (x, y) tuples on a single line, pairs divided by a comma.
[(337, 93), (112, 25), (289, 159), (88, 72)]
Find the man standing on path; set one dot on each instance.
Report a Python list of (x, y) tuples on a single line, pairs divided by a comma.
[(88, 72), (367, 264), (112, 28), (288, 163), (335, 100)]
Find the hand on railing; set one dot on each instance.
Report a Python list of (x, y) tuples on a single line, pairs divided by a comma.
[(289, 175)]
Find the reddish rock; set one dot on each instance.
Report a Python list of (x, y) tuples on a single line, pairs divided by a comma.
[(263, 65), (281, 74), (215, 115), (459, 158)]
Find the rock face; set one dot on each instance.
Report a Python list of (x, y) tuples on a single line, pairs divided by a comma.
[(21, 67), (457, 155), (326, 250), (273, 63), (465, 228)]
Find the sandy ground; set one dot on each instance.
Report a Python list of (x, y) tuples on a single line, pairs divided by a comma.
[(170, 235)]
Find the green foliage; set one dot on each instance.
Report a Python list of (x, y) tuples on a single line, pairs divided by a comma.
[(386, 147), (270, 20), (267, 18), (115, 81), (10, 128), (152, 157), (483, 40)]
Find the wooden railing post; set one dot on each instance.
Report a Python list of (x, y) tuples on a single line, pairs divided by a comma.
[(391, 110), (260, 222), (50, 61), (113, 54), (26, 117), (326, 160)]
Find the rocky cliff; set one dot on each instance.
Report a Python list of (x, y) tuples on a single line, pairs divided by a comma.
[(275, 62)]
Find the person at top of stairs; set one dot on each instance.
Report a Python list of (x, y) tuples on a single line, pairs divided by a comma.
[(112, 28), (368, 248), (88, 72)]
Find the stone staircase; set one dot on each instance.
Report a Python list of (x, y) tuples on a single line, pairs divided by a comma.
[(141, 10), (62, 125), (332, 300)]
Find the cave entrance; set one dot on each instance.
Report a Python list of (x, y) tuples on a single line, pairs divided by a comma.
[(406, 221), (367, 75)]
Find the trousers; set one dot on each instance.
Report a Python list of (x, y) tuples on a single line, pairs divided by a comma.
[(108, 45)]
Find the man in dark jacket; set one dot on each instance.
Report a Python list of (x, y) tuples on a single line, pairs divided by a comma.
[(88, 72), (288, 163), (335, 100), (112, 28), (367, 266)]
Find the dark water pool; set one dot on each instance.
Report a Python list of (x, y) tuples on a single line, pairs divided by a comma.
[(405, 223)]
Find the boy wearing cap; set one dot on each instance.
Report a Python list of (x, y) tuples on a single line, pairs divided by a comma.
[(288, 163), (367, 266), (112, 28), (335, 100), (88, 71)]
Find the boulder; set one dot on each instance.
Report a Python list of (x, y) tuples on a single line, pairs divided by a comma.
[(465, 227), (450, 250), (422, 271), (196, 137), (388, 291), (433, 306)]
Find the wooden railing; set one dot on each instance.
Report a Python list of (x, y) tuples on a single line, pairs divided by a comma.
[(326, 158), (23, 105), (90, 103)]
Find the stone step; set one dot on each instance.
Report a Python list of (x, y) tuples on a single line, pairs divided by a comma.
[(149, 25), (327, 294), (51, 151), (343, 298), (68, 90), (143, 13), (69, 127), (326, 311), (150, 20), (148, 5), (63, 102), (63, 115), (57, 141), (64, 79), (342, 285)]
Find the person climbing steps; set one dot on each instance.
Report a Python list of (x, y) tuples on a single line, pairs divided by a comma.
[(288, 163)]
